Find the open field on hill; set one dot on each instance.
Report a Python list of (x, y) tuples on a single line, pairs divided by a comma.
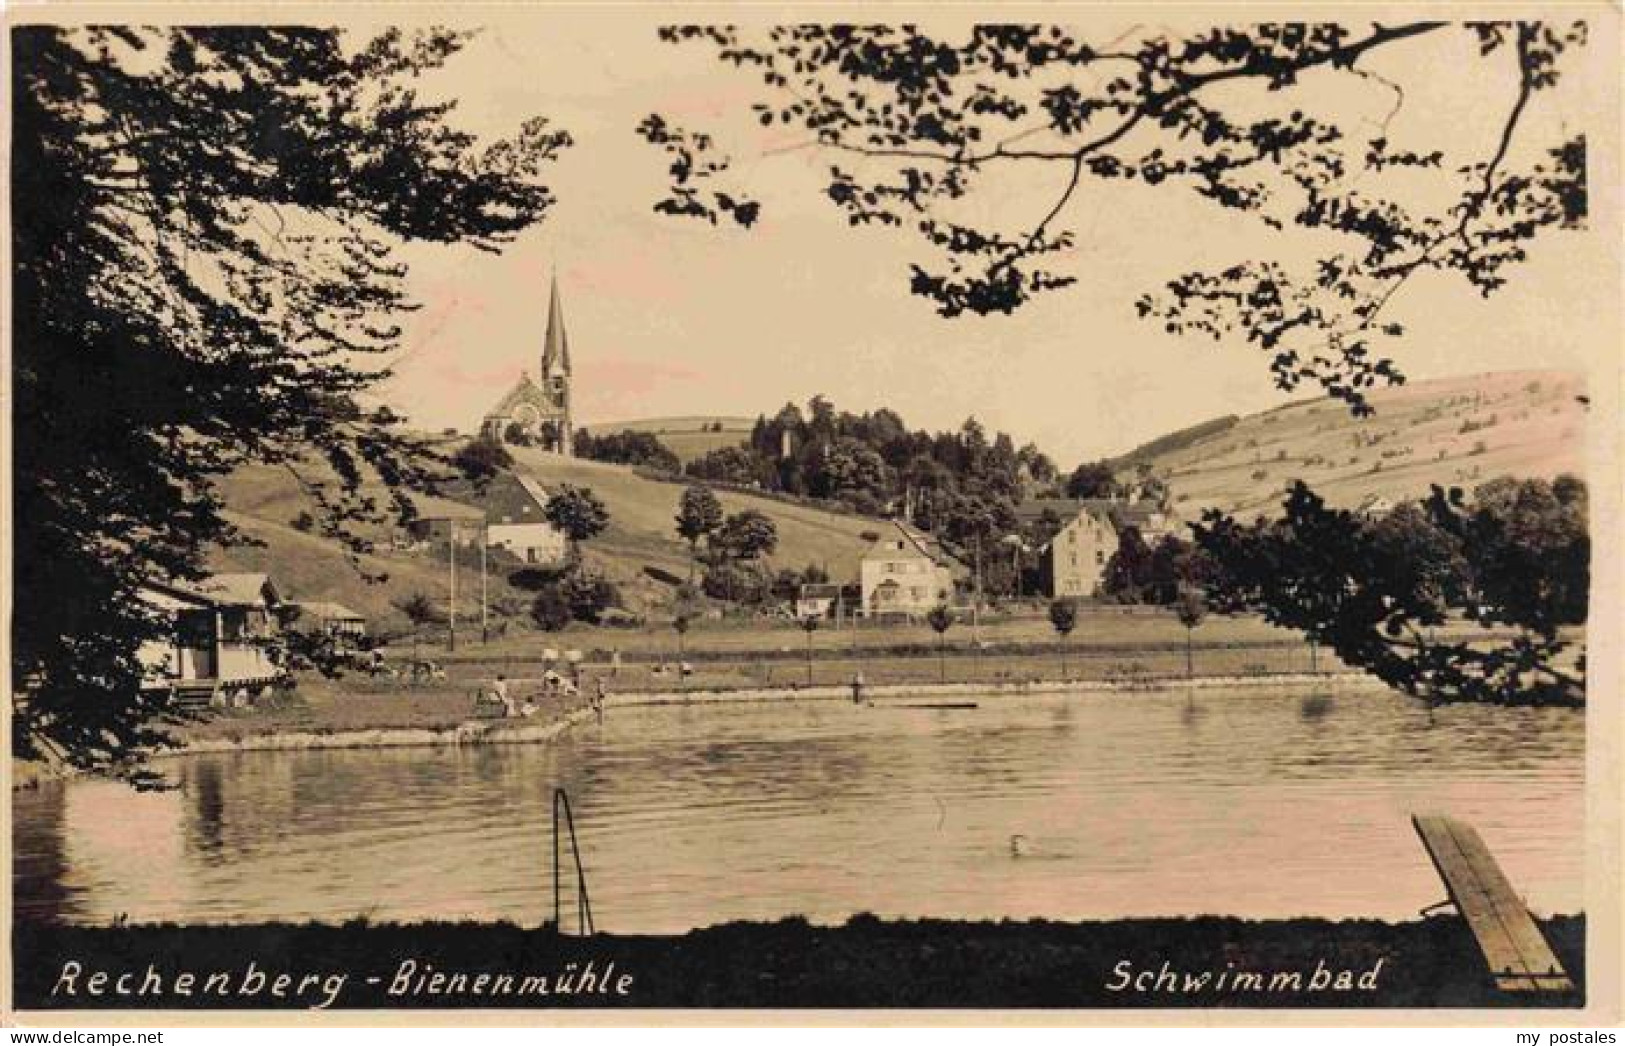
[(687, 437), (1450, 432), (264, 502), (641, 529)]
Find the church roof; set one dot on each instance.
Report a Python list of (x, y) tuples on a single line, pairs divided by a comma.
[(556, 349), (525, 390)]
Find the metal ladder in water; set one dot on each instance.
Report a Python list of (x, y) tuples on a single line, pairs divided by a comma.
[(584, 923)]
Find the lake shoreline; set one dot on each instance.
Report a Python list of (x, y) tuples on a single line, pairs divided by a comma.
[(549, 726), (866, 962)]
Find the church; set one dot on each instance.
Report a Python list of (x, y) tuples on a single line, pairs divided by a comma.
[(538, 410)]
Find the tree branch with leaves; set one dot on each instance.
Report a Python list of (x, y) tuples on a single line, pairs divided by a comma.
[(206, 275), (923, 131)]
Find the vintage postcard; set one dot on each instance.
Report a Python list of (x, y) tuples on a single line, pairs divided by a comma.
[(1050, 514)]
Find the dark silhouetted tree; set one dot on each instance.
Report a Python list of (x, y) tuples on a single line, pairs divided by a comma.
[(746, 536), (578, 514), (699, 514), (941, 619), (1515, 556), (920, 129), (1063, 617), (204, 234)]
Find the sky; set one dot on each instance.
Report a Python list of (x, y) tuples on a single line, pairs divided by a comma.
[(672, 317)]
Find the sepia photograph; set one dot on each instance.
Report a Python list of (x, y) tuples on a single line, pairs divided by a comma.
[(1001, 512)]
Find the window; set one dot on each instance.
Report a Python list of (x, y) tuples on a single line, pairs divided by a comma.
[(1100, 557)]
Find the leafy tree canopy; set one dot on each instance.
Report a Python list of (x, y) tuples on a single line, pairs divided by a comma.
[(1516, 555), (747, 535), (205, 223), (699, 513), (924, 131), (577, 512)]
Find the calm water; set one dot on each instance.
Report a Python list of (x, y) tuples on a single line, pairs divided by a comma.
[(1248, 803)]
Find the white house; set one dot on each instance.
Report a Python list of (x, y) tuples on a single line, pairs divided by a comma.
[(516, 520), (905, 572)]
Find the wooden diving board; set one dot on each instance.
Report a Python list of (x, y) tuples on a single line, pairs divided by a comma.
[(1519, 958)]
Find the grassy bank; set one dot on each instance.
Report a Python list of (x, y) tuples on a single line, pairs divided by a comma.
[(866, 963)]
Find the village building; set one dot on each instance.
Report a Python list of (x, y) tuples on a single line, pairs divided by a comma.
[(828, 600), (905, 572), (516, 520), (539, 409), (346, 628), (438, 520), (1073, 562), (1148, 517), (222, 631)]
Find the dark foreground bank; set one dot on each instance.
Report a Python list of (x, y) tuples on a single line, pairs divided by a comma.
[(1207, 962)]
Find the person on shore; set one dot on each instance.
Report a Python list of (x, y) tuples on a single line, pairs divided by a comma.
[(500, 689), (600, 694), (529, 708), (615, 662), (857, 687)]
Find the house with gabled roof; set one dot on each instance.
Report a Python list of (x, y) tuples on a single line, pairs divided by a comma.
[(221, 636), (905, 572), (1073, 562), (516, 519)]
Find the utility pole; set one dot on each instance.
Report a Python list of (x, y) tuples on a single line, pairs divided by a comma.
[(976, 599), (452, 545), (485, 614)]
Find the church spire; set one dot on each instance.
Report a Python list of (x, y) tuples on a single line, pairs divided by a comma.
[(556, 349)]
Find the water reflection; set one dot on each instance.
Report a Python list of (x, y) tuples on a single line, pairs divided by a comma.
[(1084, 806)]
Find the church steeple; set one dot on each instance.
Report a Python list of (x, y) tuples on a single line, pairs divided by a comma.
[(556, 348), (538, 412)]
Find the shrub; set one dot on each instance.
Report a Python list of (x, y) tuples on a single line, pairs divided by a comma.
[(737, 583), (482, 459), (588, 594), (550, 609), (665, 577), (534, 579)]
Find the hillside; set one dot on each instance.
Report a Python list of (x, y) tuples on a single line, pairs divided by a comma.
[(1451, 432), (688, 437), (264, 502), (641, 514)]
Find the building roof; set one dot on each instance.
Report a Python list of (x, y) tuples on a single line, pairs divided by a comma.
[(330, 612), (1065, 508), (239, 590), (915, 542), (431, 508), (532, 486)]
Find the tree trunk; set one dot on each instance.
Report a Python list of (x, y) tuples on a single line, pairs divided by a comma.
[(1189, 671)]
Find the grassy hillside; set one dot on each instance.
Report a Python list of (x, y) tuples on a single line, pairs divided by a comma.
[(264, 502), (688, 437), (1451, 432), (641, 530)]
